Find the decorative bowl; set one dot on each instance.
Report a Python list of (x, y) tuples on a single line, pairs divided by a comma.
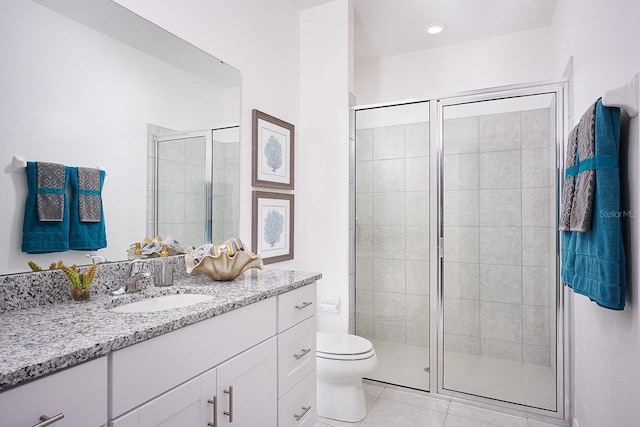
[(223, 267)]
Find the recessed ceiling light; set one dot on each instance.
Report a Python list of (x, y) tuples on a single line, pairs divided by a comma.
[(435, 28)]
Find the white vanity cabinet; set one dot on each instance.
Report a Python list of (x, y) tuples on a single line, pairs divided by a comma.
[(78, 393), (297, 357), (173, 372), (239, 392)]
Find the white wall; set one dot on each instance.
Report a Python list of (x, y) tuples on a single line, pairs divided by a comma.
[(322, 196), (74, 96), (604, 39), (516, 58)]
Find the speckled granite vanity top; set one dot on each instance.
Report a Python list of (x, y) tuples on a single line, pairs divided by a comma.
[(39, 340)]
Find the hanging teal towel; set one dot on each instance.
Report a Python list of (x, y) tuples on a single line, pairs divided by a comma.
[(594, 262), (46, 219), (87, 228)]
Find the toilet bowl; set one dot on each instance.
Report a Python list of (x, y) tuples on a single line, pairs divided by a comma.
[(342, 361)]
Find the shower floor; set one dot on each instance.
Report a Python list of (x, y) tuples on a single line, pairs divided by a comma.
[(516, 382)]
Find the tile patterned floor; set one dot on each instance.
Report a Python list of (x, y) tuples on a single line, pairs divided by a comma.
[(392, 406)]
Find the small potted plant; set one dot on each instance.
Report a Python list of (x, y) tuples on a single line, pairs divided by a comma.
[(80, 282)]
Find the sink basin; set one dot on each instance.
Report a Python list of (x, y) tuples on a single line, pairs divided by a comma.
[(165, 302)]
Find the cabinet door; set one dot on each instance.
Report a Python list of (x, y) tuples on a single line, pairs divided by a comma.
[(78, 393), (185, 405), (247, 388)]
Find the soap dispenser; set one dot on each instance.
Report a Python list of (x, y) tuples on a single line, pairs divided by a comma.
[(163, 269)]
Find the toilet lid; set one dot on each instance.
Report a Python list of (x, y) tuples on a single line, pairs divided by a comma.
[(342, 344)]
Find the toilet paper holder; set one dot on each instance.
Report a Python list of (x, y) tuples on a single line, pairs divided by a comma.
[(330, 304)]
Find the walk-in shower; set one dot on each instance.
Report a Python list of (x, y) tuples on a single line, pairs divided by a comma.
[(456, 244)]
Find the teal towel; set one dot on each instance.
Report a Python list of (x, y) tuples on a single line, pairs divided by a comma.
[(45, 236), (86, 234), (594, 262)]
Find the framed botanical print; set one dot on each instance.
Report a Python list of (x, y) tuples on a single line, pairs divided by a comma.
[(272, 235), (273, 152)]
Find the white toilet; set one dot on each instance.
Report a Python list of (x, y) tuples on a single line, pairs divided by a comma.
[(342, 361)]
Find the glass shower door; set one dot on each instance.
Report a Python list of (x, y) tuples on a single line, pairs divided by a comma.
[(499, 264), (392, 240)]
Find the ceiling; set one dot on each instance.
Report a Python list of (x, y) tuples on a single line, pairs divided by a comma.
[(392, 27)]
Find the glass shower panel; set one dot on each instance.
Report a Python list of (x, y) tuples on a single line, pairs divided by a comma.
[(499, 266), (181, 183), (392, 240)]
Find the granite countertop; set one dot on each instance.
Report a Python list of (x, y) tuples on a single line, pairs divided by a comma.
[(40, 340)]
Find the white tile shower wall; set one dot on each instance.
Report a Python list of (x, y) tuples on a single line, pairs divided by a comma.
[(181, 183), (497, 204), (392, 233), (226, 175)]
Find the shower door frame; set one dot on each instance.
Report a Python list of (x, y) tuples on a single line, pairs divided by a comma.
[(560, 88)]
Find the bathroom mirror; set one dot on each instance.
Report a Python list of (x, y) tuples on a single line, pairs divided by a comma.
[(194, 186), (83, 82)]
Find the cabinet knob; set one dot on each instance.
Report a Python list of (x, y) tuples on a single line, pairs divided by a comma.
[(46, 421), (305, 409)]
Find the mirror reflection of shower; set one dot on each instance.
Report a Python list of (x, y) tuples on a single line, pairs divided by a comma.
[(193, 192)]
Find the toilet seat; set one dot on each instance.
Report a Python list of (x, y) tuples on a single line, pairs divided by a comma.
[(337, 346)]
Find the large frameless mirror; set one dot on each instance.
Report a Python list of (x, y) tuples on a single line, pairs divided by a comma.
[(84, 82)]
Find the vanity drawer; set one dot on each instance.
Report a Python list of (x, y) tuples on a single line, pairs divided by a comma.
[(79, 392), (296, 306), (301, 400), (296, 354)]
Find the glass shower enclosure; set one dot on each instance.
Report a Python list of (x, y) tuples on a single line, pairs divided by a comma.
[(456, 245)]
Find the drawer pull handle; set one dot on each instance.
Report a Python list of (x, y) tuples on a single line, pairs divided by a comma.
[(305, 409), (301, 355), (46, 421), (214, 402), (230, 412), (304, 304)]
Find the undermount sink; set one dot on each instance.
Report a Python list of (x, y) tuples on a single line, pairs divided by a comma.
[(165, 302)]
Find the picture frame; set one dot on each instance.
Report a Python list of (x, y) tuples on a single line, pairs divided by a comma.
[(272, 234), (273, 152)]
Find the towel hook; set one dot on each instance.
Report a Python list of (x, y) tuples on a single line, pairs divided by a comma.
[(625, 96), (18, 163)]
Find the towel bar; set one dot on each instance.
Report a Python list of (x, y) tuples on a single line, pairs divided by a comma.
[(18, 163), (625, 96)]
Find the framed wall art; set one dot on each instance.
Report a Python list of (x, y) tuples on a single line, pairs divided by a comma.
[(272, 231), (273, 152)]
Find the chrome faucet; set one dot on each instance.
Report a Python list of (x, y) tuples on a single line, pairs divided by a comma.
[(132, 281)]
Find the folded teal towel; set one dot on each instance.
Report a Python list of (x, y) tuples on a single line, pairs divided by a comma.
[(87, 228), (49, 234), (594, 262)]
